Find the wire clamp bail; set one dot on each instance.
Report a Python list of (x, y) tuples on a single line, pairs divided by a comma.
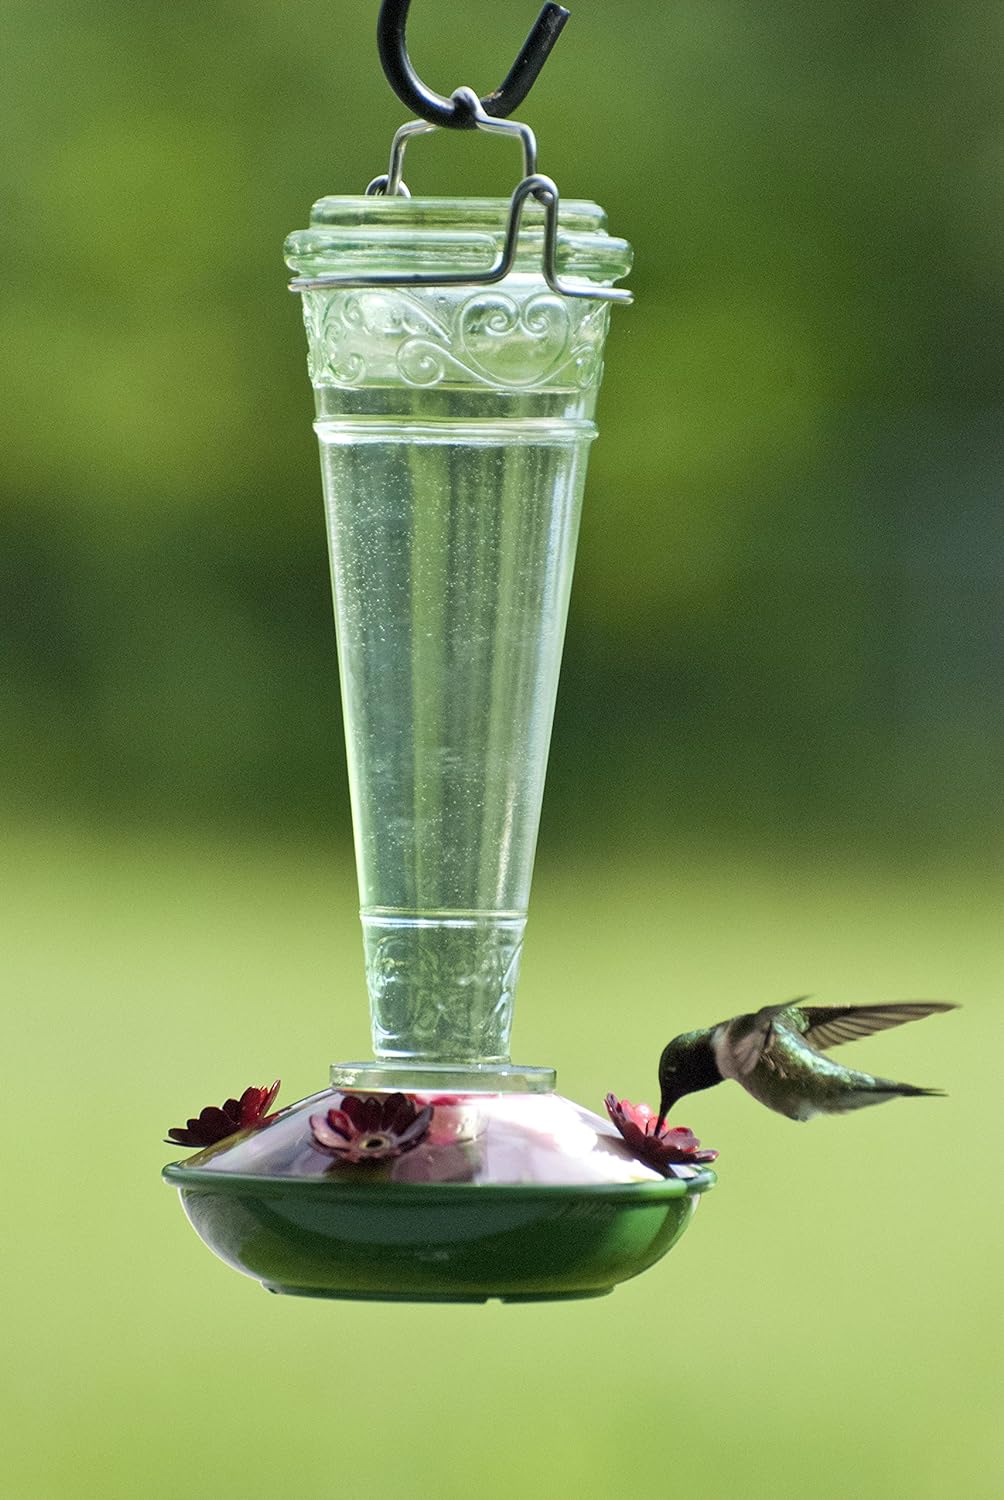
[(534, 184)]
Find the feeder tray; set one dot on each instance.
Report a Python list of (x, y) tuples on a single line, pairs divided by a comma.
[(517, 1196)]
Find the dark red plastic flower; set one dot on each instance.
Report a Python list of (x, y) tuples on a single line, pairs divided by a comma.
[(371, 1127), (636, 1123), (214, 1124)]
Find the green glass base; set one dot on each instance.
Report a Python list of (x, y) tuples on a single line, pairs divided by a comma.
[(435, 1241), (441, 1297)]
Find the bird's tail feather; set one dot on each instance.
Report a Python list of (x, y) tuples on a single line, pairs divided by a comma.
[(877, 1091)]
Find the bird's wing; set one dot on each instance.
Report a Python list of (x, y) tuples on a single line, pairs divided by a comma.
[(828, 1026), (749, 1040)]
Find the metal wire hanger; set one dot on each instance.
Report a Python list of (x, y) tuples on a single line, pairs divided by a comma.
[(464, 110)]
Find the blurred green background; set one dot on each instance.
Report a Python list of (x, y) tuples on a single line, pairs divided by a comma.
[(775, 768)]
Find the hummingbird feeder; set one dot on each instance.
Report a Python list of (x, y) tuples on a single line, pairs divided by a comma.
[(455, 347)]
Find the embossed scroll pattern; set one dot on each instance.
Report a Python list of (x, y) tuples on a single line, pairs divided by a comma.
[(430, 984), (442, 337)]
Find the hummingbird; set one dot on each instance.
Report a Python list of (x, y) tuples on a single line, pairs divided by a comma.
[(777, 1054)]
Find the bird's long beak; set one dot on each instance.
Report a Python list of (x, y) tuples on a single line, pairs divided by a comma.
[(665, 1105)]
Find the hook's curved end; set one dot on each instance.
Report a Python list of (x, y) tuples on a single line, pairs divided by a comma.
[(524, 72), (433, 107)]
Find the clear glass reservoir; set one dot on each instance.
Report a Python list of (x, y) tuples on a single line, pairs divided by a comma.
[(454, 425)]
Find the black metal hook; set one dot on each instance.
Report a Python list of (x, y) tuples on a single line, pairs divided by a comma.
[(453, 113)]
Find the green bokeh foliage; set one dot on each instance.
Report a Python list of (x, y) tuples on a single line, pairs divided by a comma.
[(784, 607)]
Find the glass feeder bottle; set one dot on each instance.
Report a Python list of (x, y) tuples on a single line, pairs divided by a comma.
[(455, 348), (454, 422)]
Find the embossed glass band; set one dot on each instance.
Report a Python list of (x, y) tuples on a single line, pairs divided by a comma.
[(485, 337)]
